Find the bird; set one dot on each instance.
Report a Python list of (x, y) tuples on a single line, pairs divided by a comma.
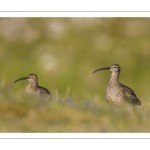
[(117, 93), (33, 87)]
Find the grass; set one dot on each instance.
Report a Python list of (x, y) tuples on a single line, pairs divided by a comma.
[(28, 114)]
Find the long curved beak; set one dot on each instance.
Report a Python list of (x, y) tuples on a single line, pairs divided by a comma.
[(107, 68), (25, 78)]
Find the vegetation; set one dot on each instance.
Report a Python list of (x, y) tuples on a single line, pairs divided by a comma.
[(64, 52)]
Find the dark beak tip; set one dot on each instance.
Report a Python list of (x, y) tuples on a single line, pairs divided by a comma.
[(94, 72), (15, 81)]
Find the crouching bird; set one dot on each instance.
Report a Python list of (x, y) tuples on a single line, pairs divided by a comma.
[(33, 87)]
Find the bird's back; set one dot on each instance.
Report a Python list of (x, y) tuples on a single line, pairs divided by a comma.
[(130, 96), (43, 92)]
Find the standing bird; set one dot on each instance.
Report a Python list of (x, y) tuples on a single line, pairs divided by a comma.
[(33, 86), (117, 93)]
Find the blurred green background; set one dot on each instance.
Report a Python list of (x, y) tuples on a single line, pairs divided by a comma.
[(64, 52)]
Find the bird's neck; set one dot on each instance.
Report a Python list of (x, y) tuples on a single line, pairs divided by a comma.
[(114, 79), (33, 85)]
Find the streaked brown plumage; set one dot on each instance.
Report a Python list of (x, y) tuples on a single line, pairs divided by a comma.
[(33, 86), (117, 93)]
